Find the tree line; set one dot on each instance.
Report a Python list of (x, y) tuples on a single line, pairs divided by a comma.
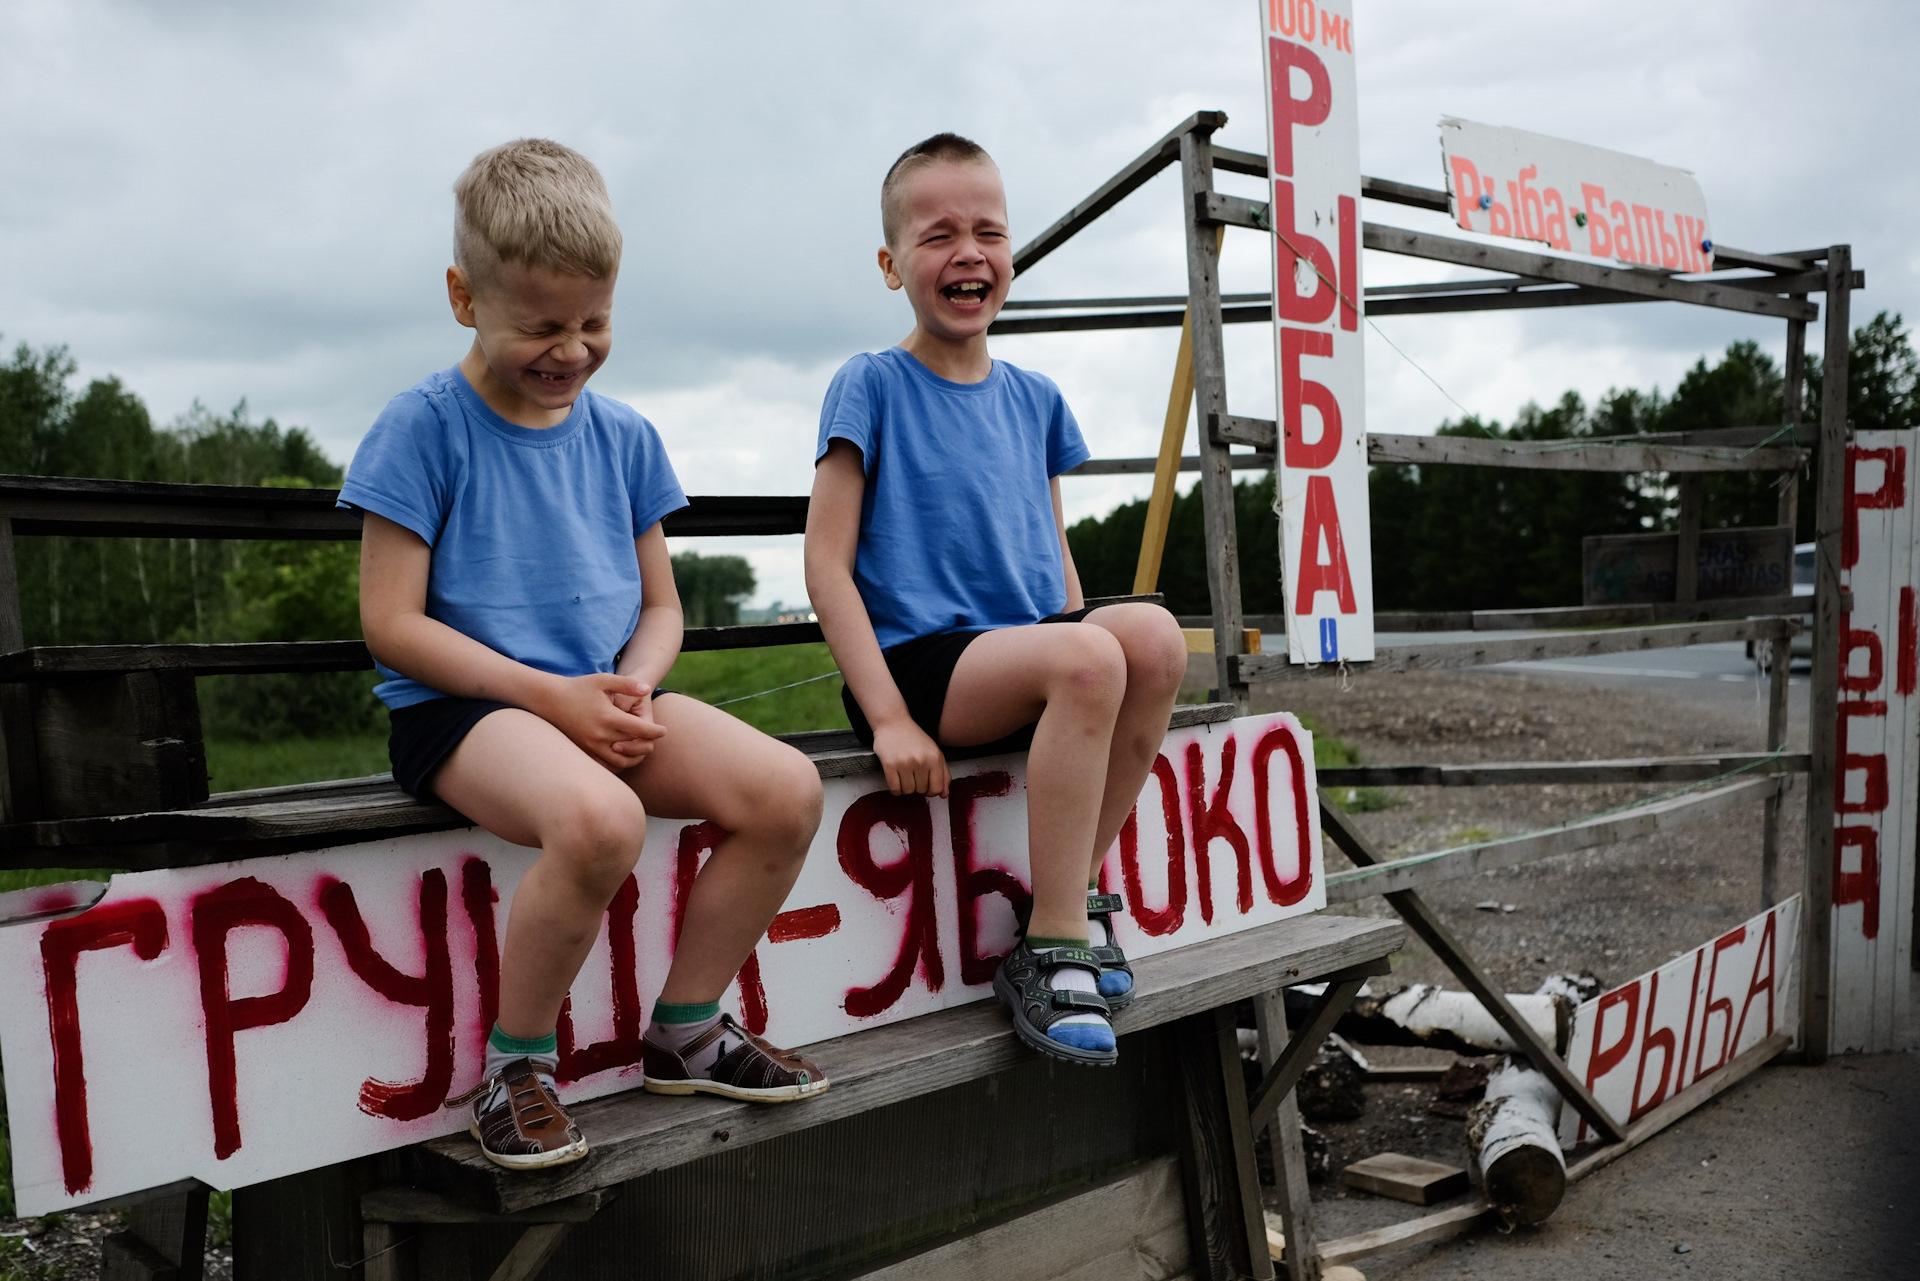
[(1457, 538)]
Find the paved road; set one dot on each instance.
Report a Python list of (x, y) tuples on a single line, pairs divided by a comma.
[(1719, 676)]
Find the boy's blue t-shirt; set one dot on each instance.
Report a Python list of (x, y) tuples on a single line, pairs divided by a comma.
[(956, 524), (532, 529)]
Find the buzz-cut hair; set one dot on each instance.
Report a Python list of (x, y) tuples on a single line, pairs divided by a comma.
[(536, 203), (947, 147)]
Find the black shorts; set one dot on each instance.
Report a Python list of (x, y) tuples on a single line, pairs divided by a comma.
[(923, 668), (423, 735)]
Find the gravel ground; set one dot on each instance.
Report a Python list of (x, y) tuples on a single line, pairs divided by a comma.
[(1792, 1174)]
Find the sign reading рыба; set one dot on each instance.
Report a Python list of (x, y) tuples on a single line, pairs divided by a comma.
[(1313, 132), (1581, 199)]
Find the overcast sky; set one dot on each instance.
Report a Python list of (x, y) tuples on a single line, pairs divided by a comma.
[(217, 201)]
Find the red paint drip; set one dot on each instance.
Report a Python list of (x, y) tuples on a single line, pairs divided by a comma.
[(216, 914), (1907, 664), (478, 896), (622, 1049), (912, 876), (1157, 921), (696, 842), (431, 990), (975, 883), (804, 923), (137, 922)]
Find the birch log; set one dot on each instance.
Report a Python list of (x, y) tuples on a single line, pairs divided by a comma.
[(1514, 1134)]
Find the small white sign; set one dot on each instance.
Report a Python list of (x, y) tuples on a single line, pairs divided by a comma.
[(1313, 145), (1576, 198), (240, 1021), (1652, 1037)]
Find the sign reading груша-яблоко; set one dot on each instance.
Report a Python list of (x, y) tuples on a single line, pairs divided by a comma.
[(1313, 135), (240, 1021), (1581, 199)]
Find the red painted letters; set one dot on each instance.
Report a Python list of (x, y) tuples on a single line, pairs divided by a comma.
[(912, 875), (431, 990)]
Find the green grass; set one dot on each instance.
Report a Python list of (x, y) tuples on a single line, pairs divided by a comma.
[(1335, 753), (716, 675), (235, 766)]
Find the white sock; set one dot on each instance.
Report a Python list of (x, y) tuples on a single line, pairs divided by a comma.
[(1072, 978)]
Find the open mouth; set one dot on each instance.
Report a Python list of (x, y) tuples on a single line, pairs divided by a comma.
[(553, 380), (966, 291)]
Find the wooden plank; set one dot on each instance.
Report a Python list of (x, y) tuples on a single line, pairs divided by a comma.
[(1823, 700), (1131, 178), (19, 765), (1779, 666), (637, 1133), (1562, 616), (400, 1203), (118, 743), (1646, 769), (1444, 656), (1686, 566), (1519, 262), (1594, 454), (1210, 400), (1297, 1055), (530, 1253), (1423, 870), (1234, 429), (1681, 1104), (281, 820), (1129, 1228), (1405, 1178), (1289, 1154), (1143, 466), (1442, 1225), (1434, 932)]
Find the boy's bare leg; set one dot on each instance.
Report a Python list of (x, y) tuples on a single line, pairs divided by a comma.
[(525, 781), (1071, 677), (766, 795), (1156, 657)]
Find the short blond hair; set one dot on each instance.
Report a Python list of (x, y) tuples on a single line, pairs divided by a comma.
[(948, 147), (536, 203)]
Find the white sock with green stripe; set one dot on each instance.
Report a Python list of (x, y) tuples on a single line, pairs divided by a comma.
[(674, 1026), (542, 1051)]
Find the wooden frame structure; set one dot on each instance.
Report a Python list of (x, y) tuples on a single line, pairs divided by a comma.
[(1777, 285)]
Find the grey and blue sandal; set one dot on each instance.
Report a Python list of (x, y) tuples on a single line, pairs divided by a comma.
[(1024, 983), (1116, 976)]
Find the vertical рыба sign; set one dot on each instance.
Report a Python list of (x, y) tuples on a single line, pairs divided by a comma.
[(1313, 135)]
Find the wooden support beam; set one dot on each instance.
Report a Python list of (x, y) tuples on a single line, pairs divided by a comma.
[(1297, 1057), (1823, 703), (1289, 1154), (1224, 1219), (1645, 769), (1780, 662), (1144, 466), (1423, 870), (1117, 188), (1210, 399), (1629, 280), (1434, 932), (1446, 655), (1599, 454), (1561, 616), (1166, 467)]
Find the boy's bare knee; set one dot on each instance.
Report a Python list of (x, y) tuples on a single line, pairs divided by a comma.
[(1090, 666), (1156, 651), (600, 837), (791, 801)]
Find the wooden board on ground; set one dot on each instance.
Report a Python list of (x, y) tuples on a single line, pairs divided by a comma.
[(1405, 1178)]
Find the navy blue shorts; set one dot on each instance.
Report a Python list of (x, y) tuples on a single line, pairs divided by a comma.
[(923, 669), (425, 734)]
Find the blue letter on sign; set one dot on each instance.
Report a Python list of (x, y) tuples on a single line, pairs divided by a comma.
[(1329, 639)]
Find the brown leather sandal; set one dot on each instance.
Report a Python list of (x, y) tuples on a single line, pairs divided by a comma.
[(527, 1128), (749, 1068)]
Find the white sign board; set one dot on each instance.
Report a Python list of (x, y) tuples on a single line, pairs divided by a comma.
[(1878, 721), (245, 1020), (1313, 145), (1581, 199), (1652, 1037)]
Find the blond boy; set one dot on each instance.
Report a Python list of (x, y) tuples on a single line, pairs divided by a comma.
[(937, 561), (517, 595)]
